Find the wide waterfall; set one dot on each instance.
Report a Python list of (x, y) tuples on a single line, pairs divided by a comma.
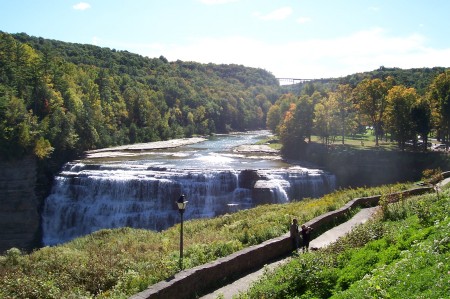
[(88, 196)]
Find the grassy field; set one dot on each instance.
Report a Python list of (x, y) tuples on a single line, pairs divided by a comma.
[(357, 142), (121, 262)]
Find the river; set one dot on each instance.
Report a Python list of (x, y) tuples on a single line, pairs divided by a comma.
[(137, 186)]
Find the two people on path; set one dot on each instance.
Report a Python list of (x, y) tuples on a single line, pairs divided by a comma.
[(295, 234)]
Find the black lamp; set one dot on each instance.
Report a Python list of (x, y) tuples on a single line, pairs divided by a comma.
[(181, 203)]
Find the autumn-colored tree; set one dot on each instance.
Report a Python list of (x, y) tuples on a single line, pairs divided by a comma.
[(296, 126), (305, 113), (439, 96), (370, 99), (344, 105), (326, 118), (292, 137), (398, 117)]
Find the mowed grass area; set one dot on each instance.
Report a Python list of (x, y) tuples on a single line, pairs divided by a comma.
[(355, 142), (361, 141)]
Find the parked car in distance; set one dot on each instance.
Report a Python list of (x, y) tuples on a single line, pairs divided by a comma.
[(439, 146)]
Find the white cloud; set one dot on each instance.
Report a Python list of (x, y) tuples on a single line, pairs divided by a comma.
[(213, 2), (96, 41), (81, 6), (303, 20), (278, 14), (309, 59)]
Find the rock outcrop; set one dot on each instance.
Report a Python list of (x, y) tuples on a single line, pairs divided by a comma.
[(19, 215)]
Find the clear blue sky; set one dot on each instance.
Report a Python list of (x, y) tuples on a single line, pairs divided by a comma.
[(289, 38)]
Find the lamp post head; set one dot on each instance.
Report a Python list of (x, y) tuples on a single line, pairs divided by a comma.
[(181, 203)]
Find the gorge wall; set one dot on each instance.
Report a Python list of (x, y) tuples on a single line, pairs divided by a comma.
[(19, 206), (373, 167)]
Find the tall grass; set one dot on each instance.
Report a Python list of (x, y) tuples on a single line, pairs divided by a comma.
[(120, 262)]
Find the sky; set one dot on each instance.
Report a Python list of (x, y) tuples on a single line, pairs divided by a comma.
[(305, 39)]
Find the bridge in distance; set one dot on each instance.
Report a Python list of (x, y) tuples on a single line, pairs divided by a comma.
[(289, 81)]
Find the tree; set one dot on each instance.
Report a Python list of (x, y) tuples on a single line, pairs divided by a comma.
[(326, 118), (343, 98), (421, 115), (398, 116), (19, 130), (292, 137), (305, 113), (273, 118), (296, 126), (439, 96), (370, 99)]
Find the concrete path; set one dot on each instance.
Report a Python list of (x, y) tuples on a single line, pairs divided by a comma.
[(330, 236)]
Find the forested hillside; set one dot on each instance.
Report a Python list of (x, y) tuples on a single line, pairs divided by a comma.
[(58, 99), (405, 106), (418, 78)]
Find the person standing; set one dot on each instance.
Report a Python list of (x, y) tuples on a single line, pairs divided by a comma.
[(306, 237), (295, 234)]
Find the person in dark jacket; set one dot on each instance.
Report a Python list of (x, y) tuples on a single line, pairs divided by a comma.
[(295, 234), (306, 237)]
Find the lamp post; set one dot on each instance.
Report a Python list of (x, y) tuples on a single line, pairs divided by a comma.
[(181, 203)]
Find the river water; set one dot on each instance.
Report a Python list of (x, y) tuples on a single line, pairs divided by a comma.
[(138, 186)]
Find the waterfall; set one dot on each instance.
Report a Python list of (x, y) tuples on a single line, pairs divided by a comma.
[(89, 197), (138, 188)]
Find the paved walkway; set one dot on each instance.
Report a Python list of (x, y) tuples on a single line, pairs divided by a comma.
[(330, 236)]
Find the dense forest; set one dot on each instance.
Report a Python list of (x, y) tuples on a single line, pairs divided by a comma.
[(59, 99)]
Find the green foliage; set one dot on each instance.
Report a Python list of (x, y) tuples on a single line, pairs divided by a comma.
[(296, 126), (403, 257), (432, 176), (392, 102), (417, 78), (398, 118), (72, 97)]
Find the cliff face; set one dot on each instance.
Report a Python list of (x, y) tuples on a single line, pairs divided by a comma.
[(372, 167), (19, 215)]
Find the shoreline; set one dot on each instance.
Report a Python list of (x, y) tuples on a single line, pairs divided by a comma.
[(139, 148)]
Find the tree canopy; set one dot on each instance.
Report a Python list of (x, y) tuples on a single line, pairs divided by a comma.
[(59, 99), (390, 108)]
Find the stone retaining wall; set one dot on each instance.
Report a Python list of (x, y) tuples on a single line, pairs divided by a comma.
[(19, 215), (188, 283)]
